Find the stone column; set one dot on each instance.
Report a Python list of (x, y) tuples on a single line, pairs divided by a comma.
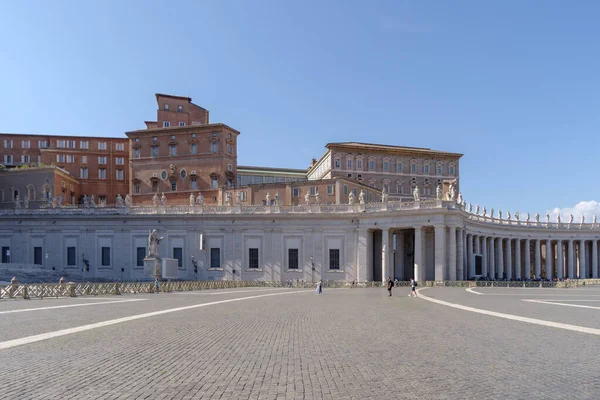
[(461, 255), (527, 255), (419, 272), (452, 254), (440, 251), (559, 260), (385, 251), (475, 249), (594, 259), (517, 258), (465, 271), (582, 260), (500, 259), (538, 258), (508, 259), (570, 259), (362, 255), (469, 254), (484, 245), (477, 244), (492, 269), (549, 257), (400, 256)]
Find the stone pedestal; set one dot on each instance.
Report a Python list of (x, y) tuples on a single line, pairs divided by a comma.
[(153, 267)]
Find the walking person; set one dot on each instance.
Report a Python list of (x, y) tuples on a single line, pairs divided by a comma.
[(156, 285), (390, 285), (320, 287), (413, 286)]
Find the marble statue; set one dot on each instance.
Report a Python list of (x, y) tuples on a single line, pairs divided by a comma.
[(570, 219), (192, 200), (492, 213), (460, 198), (127, 200), (119, 201), (59, 201), (268, 199), (558, 218), (155, 200), (416, 194), (582, 219), (476, 209), (594, 220), (17, 201), (172, 169), (86, 201), (351, 198), (25, 202), (163, 200), (452, 192), (384, 195), (228, 199), (318, 198), (277, 199), (307, 198), (438, 192), (537, 218), (153, 242), (92, 201), (500, 214), (238, 198), (517, 215), (362, 196), (547, 218), (528, 218), (484, 212), (200, 199), (470, 208), (508, 216), (55, 202)]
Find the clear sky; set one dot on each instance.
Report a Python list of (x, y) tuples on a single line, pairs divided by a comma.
[(513, 85)]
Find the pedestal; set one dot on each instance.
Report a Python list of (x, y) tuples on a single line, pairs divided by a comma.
[(153, 267)]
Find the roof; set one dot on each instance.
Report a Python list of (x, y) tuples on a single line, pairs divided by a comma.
[(54, 136), (189, 99), (385, 147), (171, 128), (246, 168)]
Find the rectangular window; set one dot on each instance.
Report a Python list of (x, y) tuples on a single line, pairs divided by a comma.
[(60, 144), (70, 159), (37, 255), (334, 258), (71, 144), (166, 106), (102, 173), (337, 164), (105, 256), (154, 187), (140, 255), (182, 124), (398, 167), (292, 258), (137, 152), (71, 256), (438, 169), (386, 186), (178, 255), (215, 258), (451, 170), (101, 160), (84, 145), (42, 144), (349, 164), (166, 124), (214, 183), (60, 158), (120, 146), (8, 159), (136, 188), (399, 189), (230, 149), (194, 148), (426, 168), (25, 144), (329, 189), (25, 159), (173, 185), (120, 175), (83, 172), (214, 147), (371, 165), (242, 196), (120, 160), (84, 159), (101, 145), (252, 258), (154, 151), (359, 164), (5, 254), (413, 168), (386, 166), (193, 183), (346, 189), (173, 150), (296, 192), (179, 108), (313, 190)]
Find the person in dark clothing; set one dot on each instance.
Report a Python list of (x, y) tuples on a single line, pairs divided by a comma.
[(390, 285)]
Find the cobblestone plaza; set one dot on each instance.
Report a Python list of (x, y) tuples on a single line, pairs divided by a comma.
[(267, 343)]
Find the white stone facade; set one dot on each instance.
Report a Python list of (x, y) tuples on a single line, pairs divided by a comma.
[(428, 240)]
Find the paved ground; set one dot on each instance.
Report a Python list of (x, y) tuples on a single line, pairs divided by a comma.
[(293, 344)]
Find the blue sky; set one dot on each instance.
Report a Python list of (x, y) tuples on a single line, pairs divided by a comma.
[(513, 85)]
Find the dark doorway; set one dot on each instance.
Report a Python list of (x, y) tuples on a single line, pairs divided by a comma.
[(377, 256)]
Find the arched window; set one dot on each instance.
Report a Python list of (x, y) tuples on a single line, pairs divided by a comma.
[(439, 168), (451, 169), (386, 164), (31, 192), (413, 166)]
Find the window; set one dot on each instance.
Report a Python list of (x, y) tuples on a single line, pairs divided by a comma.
[(413, 168), (193, 135), (194, 183), (154, 151), (25, 159), (102, 199), (194, 148), (359, 164), (229, 167), (120, 146), (140, 255), (292, 258), (42, 144), (163, 175), (8, 159), (399, 188), (398, 167), (329, 189), (60, 158), (183, 173), (173, 150), (252, 258), (337, 163), (60, 144), (313, 190), (102, 173), (166, 124), (348, 164), (71, 256), (229, 182), (438, 169), (5, 254), (182, 124), (371, 165), (355, 191), (242, 196), (37, 255), (84, 145), (386, 186), (105, 256), (386, 165), (214, 183), (137, 152), (102, 146), (334, 258), (346, 190), (84, 159), (101, 160), (70, 159), (154, 186), (214, 147), (71, 144), (25, 144), (451, 170), (296, 192), (120, 160), (426, 168), (83, 172), (172, 137), (136, 188), (173, 185), (230, 149), (120, 175), (215, 258), (179, 108), (178, 254)]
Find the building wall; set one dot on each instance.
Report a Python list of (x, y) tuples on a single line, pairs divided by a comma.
[(39, 184)]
